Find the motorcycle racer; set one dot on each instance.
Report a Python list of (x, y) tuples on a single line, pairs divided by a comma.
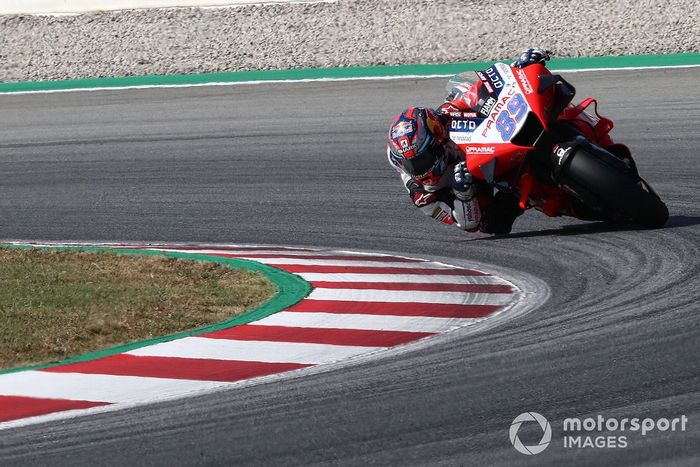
[(434, 171)]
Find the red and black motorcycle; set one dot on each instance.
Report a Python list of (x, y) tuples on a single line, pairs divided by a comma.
[(526, 138)]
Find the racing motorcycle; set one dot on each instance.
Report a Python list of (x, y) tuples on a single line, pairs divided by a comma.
[(526, 138)]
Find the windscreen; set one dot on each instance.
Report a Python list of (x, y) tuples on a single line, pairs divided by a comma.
[(485, 98), (466, 77)]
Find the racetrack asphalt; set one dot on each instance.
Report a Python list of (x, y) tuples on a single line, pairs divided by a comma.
[(304, 164)]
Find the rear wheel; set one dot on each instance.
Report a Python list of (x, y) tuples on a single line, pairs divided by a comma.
[(622, 195)]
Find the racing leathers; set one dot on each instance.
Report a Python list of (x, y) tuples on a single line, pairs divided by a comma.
[(449, 194), (441, 197)]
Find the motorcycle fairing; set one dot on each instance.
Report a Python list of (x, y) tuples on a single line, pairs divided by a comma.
[(490, 137)]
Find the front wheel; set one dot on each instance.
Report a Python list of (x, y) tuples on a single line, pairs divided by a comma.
[(622, 195)]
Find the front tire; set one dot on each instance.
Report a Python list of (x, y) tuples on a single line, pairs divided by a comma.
[(623, 196)]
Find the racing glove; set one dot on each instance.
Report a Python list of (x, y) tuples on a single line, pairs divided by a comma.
[(531, 56), (463, 183), (419, 195), (431, 203)]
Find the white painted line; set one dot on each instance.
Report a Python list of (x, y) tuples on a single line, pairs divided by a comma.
[(98, 388), (349, 262), (631, 68), (300, 253), (244, 252), (252, 351), (414, 263), (174, 246), (321, 80), (237, 83), (412, 296), (408, 278), (365, 322)]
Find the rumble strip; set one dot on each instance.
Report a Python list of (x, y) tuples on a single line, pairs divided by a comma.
[(361, 303)]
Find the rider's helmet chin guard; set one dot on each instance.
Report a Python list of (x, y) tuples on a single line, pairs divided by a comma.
[(416, 139)]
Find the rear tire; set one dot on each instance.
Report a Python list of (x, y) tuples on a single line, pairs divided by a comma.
[(624, 197)]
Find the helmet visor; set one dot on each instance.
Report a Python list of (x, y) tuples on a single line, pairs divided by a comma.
[(424, 162)]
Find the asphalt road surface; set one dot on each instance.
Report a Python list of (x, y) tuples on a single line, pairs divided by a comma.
[(304, 164)]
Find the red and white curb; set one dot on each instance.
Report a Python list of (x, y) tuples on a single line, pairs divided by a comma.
[(361, 304)]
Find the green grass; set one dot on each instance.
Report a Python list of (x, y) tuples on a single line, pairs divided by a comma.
[(59, 304)]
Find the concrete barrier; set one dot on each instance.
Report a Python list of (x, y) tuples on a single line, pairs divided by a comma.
[(9, 7)]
